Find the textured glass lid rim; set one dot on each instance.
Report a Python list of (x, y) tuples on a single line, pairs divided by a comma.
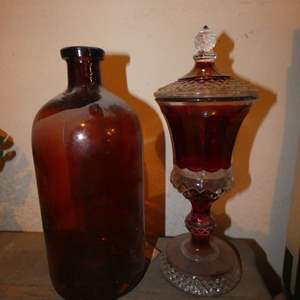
[(178, 89), (195, 98)]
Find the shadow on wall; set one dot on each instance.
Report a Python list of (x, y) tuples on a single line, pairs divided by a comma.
[(114, 79), (246, 135), (241, 157), (14, 183)]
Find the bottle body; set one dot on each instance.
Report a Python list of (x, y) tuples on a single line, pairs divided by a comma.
[(87, 149)]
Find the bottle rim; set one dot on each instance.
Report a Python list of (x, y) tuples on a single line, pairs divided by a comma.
[(81, 51)]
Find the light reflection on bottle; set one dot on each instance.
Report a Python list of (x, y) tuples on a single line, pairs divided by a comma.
[(81, 136), (110, 131)]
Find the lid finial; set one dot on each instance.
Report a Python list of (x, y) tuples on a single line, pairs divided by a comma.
[(205, 42)]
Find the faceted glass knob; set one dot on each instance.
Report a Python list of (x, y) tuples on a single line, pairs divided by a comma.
[(205, 42)]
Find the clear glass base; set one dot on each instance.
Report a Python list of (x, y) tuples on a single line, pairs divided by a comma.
[(207, 270)]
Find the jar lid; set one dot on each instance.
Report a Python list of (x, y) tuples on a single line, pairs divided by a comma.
[(204, 82)]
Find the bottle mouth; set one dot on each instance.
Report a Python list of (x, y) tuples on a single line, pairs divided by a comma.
[(81, 52)]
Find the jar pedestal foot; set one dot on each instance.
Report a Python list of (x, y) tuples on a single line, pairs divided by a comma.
[(202, 271)]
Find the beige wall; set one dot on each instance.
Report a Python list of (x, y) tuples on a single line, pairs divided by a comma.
[(154, 41)]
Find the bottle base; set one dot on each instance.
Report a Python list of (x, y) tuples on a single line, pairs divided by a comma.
[(93, 293)]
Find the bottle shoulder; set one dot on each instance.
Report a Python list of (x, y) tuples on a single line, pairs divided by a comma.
[(84, 99), (91, 110)]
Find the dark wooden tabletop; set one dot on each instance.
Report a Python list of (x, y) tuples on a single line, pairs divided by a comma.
[(24, 274)]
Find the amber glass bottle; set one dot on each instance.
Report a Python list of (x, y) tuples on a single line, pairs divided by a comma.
[(87, 149)]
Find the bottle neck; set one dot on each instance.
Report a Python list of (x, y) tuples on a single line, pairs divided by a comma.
[(83, 72)]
